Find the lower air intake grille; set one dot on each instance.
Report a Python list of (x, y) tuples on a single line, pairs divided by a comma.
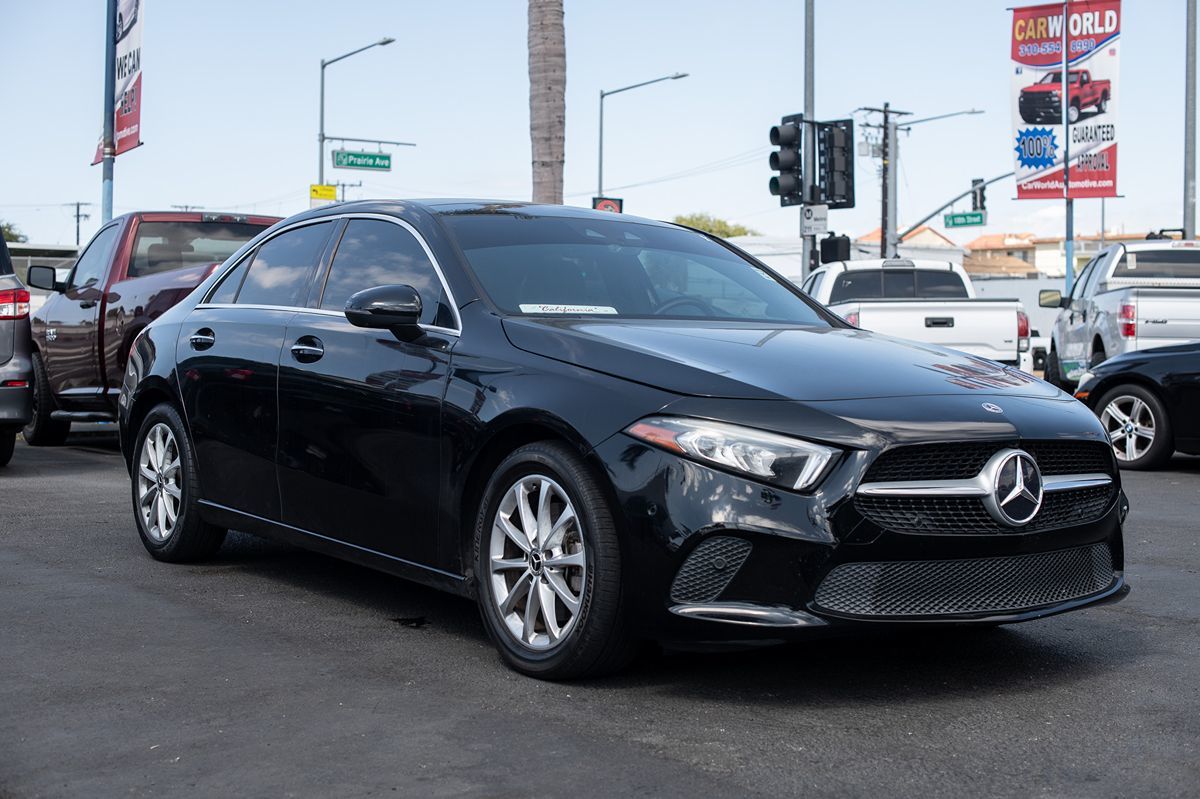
[(709, 569), (981, 585)]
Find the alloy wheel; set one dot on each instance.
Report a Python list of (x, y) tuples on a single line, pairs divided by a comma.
[(538, 562), (159, 492), (1130, 425)]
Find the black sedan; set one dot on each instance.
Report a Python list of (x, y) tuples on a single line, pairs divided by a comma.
[(1148, 401), (606, 430)]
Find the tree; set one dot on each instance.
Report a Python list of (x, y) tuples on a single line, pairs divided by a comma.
[(718, 227), (547, 98), (12, 233)]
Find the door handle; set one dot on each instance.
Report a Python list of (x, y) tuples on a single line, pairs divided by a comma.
[(308, 349), (87, 303), (939, 321), (202, 339)]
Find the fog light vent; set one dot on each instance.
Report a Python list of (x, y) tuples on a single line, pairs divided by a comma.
[(709, 569)]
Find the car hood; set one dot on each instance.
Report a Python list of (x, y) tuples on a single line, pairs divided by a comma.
[(1043, 88), (761, 361)]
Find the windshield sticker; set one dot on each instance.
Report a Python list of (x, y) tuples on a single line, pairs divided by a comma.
[(566, 309)]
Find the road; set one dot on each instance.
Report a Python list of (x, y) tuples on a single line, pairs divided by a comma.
[(274, 672)]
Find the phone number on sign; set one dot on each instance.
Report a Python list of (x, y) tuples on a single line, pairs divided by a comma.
[(1044, 48)]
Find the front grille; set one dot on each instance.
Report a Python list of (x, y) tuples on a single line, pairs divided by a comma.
[(964, 460), (709, 569), (966, 515), (979, 585)]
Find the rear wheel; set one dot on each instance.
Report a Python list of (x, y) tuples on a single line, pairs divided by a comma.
[(42, 431), (1098, 357), (1073, 113), (1053, 372), (1137, 426), (548, 564), (8, 442), (166, 491), (1103, 106)]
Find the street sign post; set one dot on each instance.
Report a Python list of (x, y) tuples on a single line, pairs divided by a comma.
[(968, 219), (814, 220), (350, 159), (319, 194)]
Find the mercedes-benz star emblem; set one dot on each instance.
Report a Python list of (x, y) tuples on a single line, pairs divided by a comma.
[(1016, 487), (992, 408)]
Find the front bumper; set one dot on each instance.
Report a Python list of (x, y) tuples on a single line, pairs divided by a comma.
[(778, 552)]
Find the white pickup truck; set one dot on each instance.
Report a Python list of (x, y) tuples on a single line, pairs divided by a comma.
[(929, 301), (1129, 297)]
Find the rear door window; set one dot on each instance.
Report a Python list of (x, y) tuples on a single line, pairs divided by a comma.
[(283, 266)]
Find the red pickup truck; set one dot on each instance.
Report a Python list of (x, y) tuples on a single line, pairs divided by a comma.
[(133, 269), (1042, 102)]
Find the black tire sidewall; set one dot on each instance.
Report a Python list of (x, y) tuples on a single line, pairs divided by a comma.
[(558, 463), (41, 429), (187, 539), (1164, 442), (8, 444)]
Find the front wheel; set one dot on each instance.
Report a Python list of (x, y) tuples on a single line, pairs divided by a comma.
[(43, 431), (1053, 372), (548, 562), (166, 491), (1138, 427), (1073, 113)]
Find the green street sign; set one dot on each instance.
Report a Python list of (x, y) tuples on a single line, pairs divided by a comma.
[(968, 219), (348, 159)]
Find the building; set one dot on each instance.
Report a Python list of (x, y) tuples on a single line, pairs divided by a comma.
[(924, 243), (1003, 253)]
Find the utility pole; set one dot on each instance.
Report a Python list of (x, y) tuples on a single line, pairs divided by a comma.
[(1189, 128), (808, 243), (79, 216), (1069, 243), (108, 145), (186, 208), (343, 186), (888, 241)]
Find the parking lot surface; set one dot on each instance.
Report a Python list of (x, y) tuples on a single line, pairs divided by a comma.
[(272, 671)]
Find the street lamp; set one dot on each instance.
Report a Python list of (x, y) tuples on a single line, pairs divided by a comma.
[(603, 94), (321, 133)]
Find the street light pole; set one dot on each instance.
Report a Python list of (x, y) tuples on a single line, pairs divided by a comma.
[(321, 130), (603, 94)]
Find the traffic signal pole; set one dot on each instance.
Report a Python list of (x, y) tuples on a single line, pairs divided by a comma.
[(808, 243), (1189, 128)]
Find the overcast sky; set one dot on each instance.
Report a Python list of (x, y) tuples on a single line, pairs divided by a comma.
[(230, 92)]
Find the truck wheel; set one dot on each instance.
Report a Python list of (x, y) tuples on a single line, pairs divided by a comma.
[(166, 492), (1098, 357), (42, 431), (1138, 427), (1053, 374), (1073, 113), (8, 442), (1103, 106)]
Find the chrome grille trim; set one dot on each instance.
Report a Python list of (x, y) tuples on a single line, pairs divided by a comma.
[(975, 487)]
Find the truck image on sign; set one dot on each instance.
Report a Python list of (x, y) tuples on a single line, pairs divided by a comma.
[(1042, 102)]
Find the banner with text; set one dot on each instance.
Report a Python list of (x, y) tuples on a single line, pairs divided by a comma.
[(1091, 86), (127, 80)]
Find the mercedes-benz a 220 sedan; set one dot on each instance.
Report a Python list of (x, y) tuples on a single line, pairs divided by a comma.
[(606, 430)]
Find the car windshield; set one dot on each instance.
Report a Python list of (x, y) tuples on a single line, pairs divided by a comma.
[(164, 246), (551, 265), (1056, 77)]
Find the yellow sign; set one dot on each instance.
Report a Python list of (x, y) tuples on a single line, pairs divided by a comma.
[(317, 191)]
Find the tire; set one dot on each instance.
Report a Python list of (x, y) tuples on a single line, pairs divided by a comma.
[(42, 431), (1098, 357), (1073, 113), (1053, 371), (8, 443), (1121, 403), (176, 484), (1103, 106), (593, 640)]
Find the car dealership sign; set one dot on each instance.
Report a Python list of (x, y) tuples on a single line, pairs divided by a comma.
[(127, 79), (1088, 95)]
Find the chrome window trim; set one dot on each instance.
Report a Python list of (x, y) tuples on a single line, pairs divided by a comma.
[(976, 486), (318, 311), (437, 267)]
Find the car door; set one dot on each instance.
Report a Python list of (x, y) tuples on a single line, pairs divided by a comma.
[(228, 365), (359, 440), (1072, 327), (70, 339)]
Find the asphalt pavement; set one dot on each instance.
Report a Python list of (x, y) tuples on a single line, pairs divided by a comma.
[(274, 672)]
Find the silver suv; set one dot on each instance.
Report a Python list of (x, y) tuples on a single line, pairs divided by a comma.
[(16, 376)]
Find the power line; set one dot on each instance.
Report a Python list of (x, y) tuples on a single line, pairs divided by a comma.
[(79, 215)]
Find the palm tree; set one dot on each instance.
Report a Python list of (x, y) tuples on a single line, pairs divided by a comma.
[(547, 98)]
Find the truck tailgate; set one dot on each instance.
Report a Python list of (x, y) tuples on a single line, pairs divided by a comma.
[(987, 328), (1167, 316)]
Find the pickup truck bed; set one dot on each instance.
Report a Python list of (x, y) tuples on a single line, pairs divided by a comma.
[(986, 328)]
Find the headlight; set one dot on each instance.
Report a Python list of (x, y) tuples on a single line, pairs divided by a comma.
[(787, 462)]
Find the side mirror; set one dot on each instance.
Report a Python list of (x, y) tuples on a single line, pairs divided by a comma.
[(1050, 298), (43, 277), (394, 308)]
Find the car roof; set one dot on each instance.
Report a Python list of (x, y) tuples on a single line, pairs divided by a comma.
[(458, 206), (1162, 244), (894, 263)]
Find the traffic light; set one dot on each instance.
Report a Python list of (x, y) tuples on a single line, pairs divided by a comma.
[(787, 160), (834, 140), (978, 199)]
